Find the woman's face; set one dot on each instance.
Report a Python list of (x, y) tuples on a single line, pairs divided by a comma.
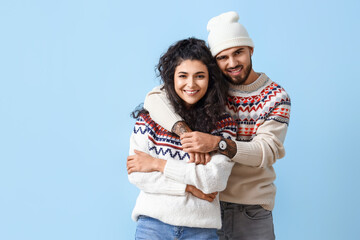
[(191, 81)]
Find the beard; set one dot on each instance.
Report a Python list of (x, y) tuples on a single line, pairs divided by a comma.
[(239, 80)]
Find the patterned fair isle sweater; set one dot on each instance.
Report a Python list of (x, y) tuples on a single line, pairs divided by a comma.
[(163, 195), (262, 112)]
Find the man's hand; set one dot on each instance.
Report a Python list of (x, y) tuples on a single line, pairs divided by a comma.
[(199, 158), (199, 142), (143, 162), (199, 194)]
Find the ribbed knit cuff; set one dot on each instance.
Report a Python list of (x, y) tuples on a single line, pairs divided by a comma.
[(247, 154), (175, 170), (177, 188)]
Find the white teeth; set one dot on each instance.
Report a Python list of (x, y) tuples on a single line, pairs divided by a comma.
[(190, 92), (236, 71)]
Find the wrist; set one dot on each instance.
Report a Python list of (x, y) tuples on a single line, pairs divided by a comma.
[(216, 142), (227, 147), (160, 165), (188, 188)]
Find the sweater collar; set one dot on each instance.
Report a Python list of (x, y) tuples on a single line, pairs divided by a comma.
[(259, 82)]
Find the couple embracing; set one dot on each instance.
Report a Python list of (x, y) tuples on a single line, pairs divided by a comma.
[(203, 147)]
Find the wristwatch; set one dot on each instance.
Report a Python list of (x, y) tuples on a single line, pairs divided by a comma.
[(222, 145)]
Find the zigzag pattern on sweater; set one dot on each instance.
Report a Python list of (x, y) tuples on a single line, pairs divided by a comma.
[(138, 128), (271, 103), (253, 103), (173, 154), (165, 143), (273, 100), (160, 135), (226, 127)]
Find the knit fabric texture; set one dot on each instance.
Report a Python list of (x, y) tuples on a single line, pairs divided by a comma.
[(163, 195), (262, 113), (226, 32)]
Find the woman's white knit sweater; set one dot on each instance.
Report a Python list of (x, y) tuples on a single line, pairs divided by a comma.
[(163, 195)]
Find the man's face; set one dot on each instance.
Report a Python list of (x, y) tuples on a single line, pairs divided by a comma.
[(236, 64)]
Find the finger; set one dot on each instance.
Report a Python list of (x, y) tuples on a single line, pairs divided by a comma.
[(207, 158), (197, 159), (185, 141), (189, 148), (186, 145), (192, 158), (202, 157), (133, 168), (129, 165), (185, 135), (213, 195), (137, 151), (130, 160), (209, 199)]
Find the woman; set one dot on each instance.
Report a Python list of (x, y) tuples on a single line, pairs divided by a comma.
[(167, 206)]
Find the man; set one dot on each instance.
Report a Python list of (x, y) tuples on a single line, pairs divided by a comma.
[(261, 109)]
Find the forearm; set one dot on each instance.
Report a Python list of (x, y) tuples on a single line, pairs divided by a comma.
[(230, 150), (160, 108), (151, 182), (265, 148), (209, 178), (156, 182), (180, 127)]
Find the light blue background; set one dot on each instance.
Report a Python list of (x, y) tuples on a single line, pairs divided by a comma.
[(72, 71)]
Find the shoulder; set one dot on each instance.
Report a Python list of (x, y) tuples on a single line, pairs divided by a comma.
[(278, 103), (275, 90), (144, 119), (153, 128)]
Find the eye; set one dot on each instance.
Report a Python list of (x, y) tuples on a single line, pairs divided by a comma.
[(238, 52), (182, 76), (220, 58), (200, 76)]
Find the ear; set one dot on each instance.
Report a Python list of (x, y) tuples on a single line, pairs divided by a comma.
[(251, 50)]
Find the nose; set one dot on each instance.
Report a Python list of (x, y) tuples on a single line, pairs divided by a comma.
[(232, 62), (191, 82)]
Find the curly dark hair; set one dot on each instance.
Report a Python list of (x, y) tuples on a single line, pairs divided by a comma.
[(203, 115)]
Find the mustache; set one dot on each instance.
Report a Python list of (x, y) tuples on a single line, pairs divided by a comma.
[(232, 68)]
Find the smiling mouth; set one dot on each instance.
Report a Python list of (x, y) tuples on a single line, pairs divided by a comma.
[(235, 70), (191, 92)]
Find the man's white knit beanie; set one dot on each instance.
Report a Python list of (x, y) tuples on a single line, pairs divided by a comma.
[(226, 32)]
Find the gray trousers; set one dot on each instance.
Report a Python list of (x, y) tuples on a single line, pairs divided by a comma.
[(245, 222)]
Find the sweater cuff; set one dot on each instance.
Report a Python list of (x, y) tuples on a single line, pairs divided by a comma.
[(246, 154), (177, 188), (172, 121), (175, 170)]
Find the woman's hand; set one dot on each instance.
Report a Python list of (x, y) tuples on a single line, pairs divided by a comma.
[(199, 158), (199, 194), (143, 162)]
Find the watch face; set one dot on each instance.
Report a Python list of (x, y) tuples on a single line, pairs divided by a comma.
[(222, 145)]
